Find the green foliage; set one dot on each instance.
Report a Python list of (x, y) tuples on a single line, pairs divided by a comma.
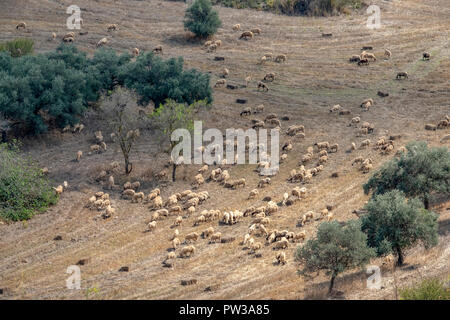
[(18, 47), (54, 89), (418, 173), (201, 19), (335, 249), (430, 289), (393, 224), (24, 191), (157, 80), (171, 116)]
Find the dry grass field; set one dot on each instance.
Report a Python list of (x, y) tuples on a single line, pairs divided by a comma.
[(315, 76)]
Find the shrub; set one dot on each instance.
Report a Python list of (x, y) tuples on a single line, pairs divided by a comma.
[(201, 19), (419, 172), (430, 289), (24, 191), (335, 249), (157, 80), (393, 224), (18, 47), (54, 89)]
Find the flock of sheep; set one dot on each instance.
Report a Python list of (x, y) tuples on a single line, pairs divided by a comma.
[(183, 206)]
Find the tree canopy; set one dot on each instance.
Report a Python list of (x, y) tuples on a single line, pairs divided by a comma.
[(418, 173), (335, 249), (393, 224), (201, 19)]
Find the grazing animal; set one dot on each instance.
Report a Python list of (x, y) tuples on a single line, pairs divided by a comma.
[(281, 58), (426, 56), (22, 25), (263, 86), (402, 74), (246, 35)]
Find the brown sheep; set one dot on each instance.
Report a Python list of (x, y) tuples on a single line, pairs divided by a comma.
[(263, 86), (246, 35), (22, 25)]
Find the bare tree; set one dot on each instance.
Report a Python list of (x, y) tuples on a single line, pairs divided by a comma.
[(123, 117)]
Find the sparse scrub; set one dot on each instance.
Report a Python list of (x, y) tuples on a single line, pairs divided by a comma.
[(429, 289), (18, 47), (24, 191)]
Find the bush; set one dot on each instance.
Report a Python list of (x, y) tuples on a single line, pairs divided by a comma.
[(157, 80), (24, 191), (430, 289), (393, 224), (54, 89), (419, 172), (18, 47), (201, 19), (335, 249)]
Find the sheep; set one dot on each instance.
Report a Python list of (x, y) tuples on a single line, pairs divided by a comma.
[(445, 138), (263, 182), (151, 226), (78, 128), (212, 47), (128, 193), (170, 255), (207, 232), (387, 53), (354, 121), (430, 126), (334, 147), (158, 49), (135, 52), (175, 243), (323, 159), (200, 219), (367, 55), (53, 36), (271, 207), (187, 251), (355, 58), (280, 58), (287, 146), (199, 180), (263, 86), (139, 196), (322, 145), (281, 258), (22, 25), (301, 236), (157, 203), (215, 237), (135, 185), (220, 82), (364, 61), (225, 72), (442, 124), (218, 43), (335, 108), (253, 194), (402, 74), (255, 247), (112, 27), (256, 31), (365, 143), (247, 80), (269, 76), (426, 56), (191, 237), (236, 27), (102, 42), (259, 109), (282, 244), (246, 35), (246, 111)]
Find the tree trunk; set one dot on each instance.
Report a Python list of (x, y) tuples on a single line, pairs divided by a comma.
[(330, 289), (426, 202), (128, 165), (174, 169), (400, 256)]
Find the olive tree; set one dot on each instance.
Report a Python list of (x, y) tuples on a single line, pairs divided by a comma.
[(393, 224), (335, 249), (418, 172)]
